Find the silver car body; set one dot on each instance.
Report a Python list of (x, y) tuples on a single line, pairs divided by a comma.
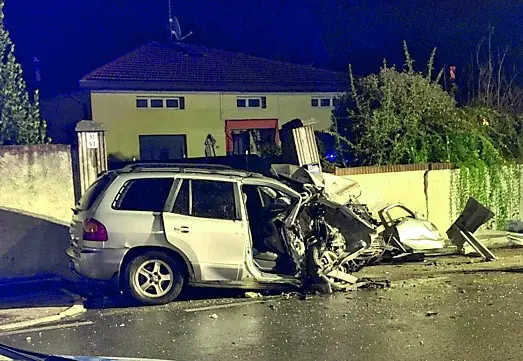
[(419, 234), (216, 252)]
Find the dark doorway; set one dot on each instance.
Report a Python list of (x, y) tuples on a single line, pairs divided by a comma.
[(240, 141), (246, 136), (249, 141), (163, 147)]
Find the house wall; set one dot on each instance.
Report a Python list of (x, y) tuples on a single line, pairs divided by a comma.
[(204, 113)]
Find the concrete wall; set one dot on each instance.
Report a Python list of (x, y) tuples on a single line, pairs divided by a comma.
[(418, 187), (37, 179), (427, 188), (204, 113), (36, 196)]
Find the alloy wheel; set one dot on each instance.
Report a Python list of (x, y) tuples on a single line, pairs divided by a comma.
[(153, 278)]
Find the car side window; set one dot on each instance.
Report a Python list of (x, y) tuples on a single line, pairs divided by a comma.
[(181, 204), (270, 195), (213, 199), (146, 195)]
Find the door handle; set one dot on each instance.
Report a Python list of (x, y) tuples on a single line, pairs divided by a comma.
[(182, 229)]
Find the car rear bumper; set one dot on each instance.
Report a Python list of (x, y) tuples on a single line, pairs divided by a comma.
[(101, 264)]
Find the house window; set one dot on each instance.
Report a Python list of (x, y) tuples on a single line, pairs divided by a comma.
[(141, 103), (325, 102), (322, 102), (161, 102), (254, 102), (156, 103), (172, 103)]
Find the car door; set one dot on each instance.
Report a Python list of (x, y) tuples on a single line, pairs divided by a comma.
[(205, 223)]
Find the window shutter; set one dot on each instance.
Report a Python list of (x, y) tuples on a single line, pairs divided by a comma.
[(264, 102), (182, 102)]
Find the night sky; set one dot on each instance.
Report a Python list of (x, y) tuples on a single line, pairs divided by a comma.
[(72, 37)]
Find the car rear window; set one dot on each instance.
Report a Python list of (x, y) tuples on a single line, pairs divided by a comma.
[(93, 192), (145, 194)]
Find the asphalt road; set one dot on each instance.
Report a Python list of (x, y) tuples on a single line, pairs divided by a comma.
[(441, 316)]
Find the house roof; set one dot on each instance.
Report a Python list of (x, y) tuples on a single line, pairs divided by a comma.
[(188, 67)]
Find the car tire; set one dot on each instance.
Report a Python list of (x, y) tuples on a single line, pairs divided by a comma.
[(153, 278)]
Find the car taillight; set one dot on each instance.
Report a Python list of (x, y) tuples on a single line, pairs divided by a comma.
[(94, 231)]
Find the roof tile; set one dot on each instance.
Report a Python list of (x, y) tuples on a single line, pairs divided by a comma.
[(190, 67)]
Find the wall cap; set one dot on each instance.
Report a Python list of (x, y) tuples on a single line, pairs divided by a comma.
[(393, 168), (89, 126)]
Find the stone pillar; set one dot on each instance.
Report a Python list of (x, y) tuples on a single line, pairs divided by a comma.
[(92, 152)]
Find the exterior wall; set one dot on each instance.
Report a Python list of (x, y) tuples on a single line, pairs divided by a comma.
[(38, 180), (417, 187), (440, 210), (204, 113), (36, 196)]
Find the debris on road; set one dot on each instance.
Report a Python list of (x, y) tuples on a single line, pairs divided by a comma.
[(431, 313), (461, 231), (517, 239), (253, 295), (371, 284), (213, 316)]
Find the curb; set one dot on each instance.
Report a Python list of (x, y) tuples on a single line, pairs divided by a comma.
[(28, 285), (505, 241), (74, 310)]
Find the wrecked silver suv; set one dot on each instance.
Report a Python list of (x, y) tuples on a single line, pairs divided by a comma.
[(155, 228)]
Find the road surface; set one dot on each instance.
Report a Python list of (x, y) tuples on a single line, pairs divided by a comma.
[(432, 313)]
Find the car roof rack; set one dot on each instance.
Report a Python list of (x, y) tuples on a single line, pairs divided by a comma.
[(184, 168)]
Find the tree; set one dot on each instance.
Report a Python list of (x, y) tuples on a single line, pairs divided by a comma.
[(20, 119), (405, 116), (493, 81)]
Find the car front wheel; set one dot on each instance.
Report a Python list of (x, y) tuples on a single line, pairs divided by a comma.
[(153, 278)]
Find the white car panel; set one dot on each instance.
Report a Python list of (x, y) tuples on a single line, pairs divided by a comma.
[(218, 245)]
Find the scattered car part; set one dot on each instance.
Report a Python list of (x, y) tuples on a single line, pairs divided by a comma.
[(473, 216), (410, 233)]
